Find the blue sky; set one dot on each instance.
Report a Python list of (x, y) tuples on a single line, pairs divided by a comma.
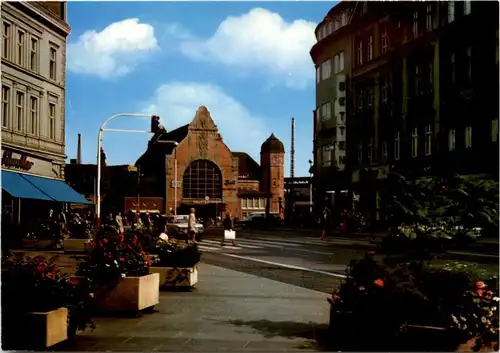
[(248, 62)]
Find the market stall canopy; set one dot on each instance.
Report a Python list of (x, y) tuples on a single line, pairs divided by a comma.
[(21, 188), (34, 187)]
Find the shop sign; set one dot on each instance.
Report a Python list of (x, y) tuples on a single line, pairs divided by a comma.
[(229, 182), (20, 163)]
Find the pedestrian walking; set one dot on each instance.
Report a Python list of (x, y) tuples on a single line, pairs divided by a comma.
[(228, 226), (191, 226), (326, 218), (119, 222)]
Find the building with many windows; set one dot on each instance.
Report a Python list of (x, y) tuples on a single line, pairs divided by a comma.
[(422, 92), (33, 57)]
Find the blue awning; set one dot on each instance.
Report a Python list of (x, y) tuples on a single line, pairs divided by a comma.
[(56, 189), (19, 187)]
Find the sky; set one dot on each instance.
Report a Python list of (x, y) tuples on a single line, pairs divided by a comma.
[(247, 62)]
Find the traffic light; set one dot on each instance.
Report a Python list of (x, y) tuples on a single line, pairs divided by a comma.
[(155, 124)]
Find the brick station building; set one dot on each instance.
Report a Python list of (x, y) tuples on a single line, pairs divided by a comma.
[(202, 172)]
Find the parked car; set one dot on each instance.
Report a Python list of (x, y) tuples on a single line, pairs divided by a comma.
[(177, 227), (257, 220)]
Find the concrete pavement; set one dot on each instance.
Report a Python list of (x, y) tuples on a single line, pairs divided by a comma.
[(228, 310)]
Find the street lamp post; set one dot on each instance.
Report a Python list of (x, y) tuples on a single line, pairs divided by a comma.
[(99, 145), (310, 187)]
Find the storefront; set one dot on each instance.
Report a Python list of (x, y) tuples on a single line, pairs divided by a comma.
[(31, 186)]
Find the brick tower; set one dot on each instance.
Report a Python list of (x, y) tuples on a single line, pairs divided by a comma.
[(272, 162)]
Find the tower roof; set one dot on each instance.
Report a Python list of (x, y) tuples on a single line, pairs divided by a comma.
[(272, 145)]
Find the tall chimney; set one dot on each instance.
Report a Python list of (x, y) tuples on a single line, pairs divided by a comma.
[(292, 152), (79, 150)]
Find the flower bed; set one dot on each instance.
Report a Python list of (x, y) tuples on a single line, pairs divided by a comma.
[(40, 302), (377, 303), (116, 270), (177, 265)]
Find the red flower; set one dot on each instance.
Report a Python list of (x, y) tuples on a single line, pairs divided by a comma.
[(480, 285), (361, 288), (488, 294), (379, 283), (122, 259), (480, 292), (444, 188), (105, 240)]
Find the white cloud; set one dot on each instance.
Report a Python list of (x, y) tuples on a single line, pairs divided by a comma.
[(176, 103), (114, 51), (260, 41)]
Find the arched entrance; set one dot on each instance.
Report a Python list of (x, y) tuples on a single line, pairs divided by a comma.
[(202, 189)]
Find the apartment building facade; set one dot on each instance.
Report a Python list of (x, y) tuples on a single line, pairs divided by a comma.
[(424, 93), (332, 58), (33, 87)]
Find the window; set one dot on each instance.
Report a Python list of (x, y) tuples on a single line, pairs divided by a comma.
[(342, 131), (360, 99), (415, 24), (33, 115), (20, 110), (244, 203), (360, 52), (369, 153), (255, 203), (318, 74), (452, 67), (384, 151), (360, 153), (342, 86), (326, 69), (451, 11), (370, 48), (397, 145), (451, 140), (202, 178), (342, 101), (262, 203), (326, 158), (414, 142), (385, 91), (428, 18), (326, 111), (20, 48), (428, 140), (494, 130), (369, 97), (341, 61), (469, 63), (33, 55), (417, 80), (342, 117), (343, 19), (52, 121), (385, 44), (468, 137), (6, 40), (336, 64), (5, 106), (53, 64), (467, 8)]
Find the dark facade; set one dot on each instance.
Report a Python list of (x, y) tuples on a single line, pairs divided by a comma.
[(423, 93)]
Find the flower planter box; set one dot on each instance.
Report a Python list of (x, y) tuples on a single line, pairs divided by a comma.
[(176, 276), (44, 244), (46, 329), (75, 245), (131, 294)]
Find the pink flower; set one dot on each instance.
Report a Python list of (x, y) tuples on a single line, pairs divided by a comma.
[(105, 240), (361, 288), (480, 284), (122, 259)]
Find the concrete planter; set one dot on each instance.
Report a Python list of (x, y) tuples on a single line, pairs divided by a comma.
[(131, 294), (75, 245), (46, 329), (176, 276), (44, 243)]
